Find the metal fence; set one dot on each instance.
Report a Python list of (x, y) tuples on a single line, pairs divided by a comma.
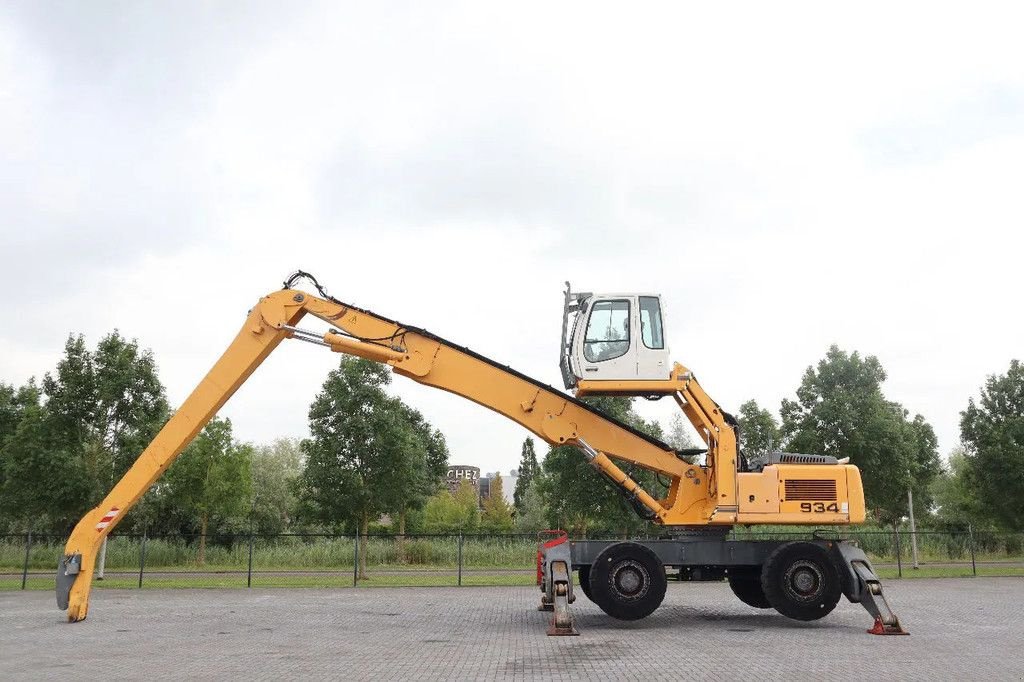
[(28, 561)]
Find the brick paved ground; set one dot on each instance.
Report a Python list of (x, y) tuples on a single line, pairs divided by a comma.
[(961, 629)]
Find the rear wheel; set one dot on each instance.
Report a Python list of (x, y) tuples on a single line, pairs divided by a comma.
[(584, 581), (800, 581), (747, 586), (627, 581)]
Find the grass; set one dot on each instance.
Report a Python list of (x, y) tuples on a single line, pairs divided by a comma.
[(318, 561), (323, 580), (950, 572)]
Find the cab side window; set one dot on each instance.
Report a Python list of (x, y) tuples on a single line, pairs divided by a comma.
[(607, 331), (650, 323)]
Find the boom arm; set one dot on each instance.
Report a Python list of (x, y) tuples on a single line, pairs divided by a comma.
[(412, 352)]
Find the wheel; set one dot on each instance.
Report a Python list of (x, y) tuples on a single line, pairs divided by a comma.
[(800, 581), (627, 581), (747, 586), (584, 581)]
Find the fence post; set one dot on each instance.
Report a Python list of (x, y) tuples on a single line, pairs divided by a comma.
[(248, 582), (460, 558), (355, 561), (970, 540), (142, 556), (102, 560), (28, 551), (899, 561), (913, 528)]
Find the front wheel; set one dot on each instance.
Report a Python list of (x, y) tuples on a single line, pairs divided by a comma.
[(627, 581), (800, 581)]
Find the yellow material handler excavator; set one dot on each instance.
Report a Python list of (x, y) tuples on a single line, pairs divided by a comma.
[(610, 345)]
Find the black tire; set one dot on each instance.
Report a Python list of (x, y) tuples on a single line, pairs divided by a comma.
[(627, 581), (800, 581), (747, 586), (584, 581)]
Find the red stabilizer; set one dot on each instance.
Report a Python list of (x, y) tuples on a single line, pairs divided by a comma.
[(558, 537), (879, 628)]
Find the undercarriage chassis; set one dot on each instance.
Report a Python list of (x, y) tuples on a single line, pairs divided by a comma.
[(801, 579)]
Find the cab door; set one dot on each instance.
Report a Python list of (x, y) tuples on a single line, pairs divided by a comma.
[(605, 350), (652, 361)]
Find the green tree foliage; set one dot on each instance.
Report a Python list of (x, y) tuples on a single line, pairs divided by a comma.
[(680, 439), (759, 432), (441, 514), (70, 444), (992, 431), (467, 499), (956, 496), (679, 433), (365, 457), (448, 513), (212, 478), (840, 411), (534, 516), (14, 403), (44, 484), (582, 500), (528, 470), (424, 467), (497, 513), (275, 468), (109, 401)]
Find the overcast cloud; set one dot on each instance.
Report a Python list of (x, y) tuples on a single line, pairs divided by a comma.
[(786, 176)]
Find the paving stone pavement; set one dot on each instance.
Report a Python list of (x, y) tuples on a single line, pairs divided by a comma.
[(960, 629)]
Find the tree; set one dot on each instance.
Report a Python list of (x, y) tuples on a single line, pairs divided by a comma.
[(528, 469), (467, 501), (448, 513), (680, 440), (535, 512), (105, 406), (992, 431), (759, 432), (679, 433), (57, 454), (426, 462), (43, 483), (14, 403), (840, 411), (212, 478), (361, 443), (955, 494), (441, 514), (275, 468), (497, 514)]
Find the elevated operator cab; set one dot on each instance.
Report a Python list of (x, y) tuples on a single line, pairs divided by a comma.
[(613, 337)]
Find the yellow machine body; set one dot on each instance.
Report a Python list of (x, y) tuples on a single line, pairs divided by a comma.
[(713, 493)]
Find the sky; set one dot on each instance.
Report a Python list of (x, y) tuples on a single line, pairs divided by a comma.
[(786, 175)]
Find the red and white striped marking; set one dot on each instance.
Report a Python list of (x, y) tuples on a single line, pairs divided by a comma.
[(107, 518)]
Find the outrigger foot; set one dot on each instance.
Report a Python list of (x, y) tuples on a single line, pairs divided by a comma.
[(554, 575), (862, 586)]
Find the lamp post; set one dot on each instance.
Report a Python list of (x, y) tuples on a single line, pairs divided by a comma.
[(913, 528)]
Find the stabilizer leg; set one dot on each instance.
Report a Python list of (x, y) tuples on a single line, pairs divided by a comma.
[(862, 586), (554, 575)]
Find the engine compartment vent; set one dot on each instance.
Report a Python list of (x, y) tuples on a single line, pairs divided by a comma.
[(811, 490)]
